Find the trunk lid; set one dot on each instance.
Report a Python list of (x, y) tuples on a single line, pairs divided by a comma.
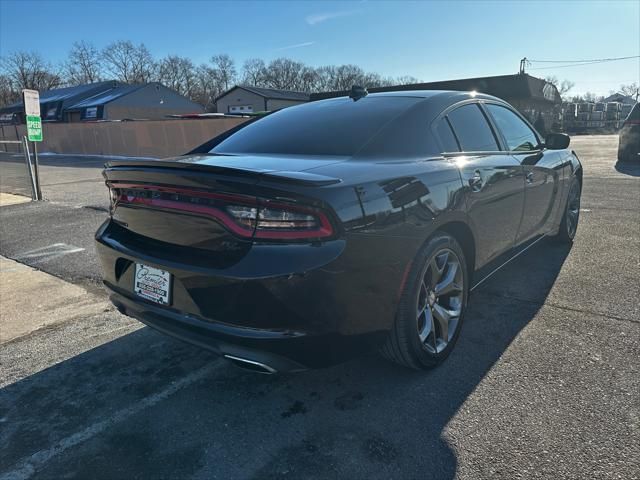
[(183, 202)]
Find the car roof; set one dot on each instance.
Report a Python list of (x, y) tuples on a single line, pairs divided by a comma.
[(427, 94), (403, 119)]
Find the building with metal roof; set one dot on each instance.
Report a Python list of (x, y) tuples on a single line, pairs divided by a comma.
[(620, 98), (108, 100), (245, 99), (53, 103), (534, 97), (150, 101)]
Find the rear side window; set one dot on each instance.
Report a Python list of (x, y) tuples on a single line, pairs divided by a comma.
[(472, 130), (447, 139), (517, 134), (634, 114)]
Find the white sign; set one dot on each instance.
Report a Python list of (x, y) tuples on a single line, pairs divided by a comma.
[(153, 284), (31, 102), (91, 112)]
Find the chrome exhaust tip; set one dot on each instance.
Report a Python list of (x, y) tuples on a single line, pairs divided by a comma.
[(251, 365)]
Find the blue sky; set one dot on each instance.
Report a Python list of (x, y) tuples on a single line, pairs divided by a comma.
[(434, 40)]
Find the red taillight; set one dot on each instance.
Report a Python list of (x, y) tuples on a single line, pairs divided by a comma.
[(246, 216)]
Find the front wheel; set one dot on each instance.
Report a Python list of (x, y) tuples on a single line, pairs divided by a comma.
[(432, 305), (571, 216)]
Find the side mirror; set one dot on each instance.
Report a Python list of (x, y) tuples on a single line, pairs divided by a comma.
[(557, 141)]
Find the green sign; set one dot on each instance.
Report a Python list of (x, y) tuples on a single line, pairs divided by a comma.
[(34, 128)]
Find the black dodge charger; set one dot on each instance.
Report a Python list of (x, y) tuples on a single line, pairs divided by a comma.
[(304, 237)]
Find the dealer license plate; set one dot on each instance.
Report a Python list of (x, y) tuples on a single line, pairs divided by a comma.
[(153, 284)]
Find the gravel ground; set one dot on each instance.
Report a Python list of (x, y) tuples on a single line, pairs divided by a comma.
[(544, 382)]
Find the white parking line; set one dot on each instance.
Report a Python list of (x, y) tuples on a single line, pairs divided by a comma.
[(49, 252), (27, 467)]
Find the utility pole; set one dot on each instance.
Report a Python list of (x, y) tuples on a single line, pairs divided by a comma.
[(523, 64)]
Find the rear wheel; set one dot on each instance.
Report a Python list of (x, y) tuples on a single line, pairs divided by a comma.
[(571, 215), (432, 305)]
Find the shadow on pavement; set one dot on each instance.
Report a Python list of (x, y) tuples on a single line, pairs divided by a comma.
[(366, 418)]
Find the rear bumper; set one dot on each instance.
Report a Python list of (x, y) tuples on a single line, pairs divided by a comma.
[(283, 351), (288, 307), (218, 338)]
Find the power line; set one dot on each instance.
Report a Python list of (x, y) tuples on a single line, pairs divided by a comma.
[(585, 62), (581, 61), (567, 66)]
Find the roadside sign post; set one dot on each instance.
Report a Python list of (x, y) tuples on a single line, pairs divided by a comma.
[(27, 158), (34, 130)]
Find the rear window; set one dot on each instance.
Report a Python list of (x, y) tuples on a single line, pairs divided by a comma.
[(472, 130), (331, 127), (634, 114)]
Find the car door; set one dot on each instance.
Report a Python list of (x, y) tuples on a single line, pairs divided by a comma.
[(492, 178), (542, 170)]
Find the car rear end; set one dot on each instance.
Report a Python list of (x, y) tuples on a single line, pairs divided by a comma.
[(629, 137), (267, 246), (238, 261)]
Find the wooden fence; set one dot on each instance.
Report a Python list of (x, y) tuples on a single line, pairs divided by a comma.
[(149, 138)]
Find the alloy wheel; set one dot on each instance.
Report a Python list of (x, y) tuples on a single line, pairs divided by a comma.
[(440, 300)]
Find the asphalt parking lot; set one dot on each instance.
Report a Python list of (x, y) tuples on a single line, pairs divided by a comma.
[(544, 382)]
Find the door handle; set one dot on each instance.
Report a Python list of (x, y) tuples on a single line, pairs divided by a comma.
[(529, 177), (475, 182)]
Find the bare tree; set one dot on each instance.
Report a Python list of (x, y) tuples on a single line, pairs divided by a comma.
[(324, 78), (631, 90), (589, 97), (348, 75), (29, 70), (307, 80), (129, 63), (283, 73), (373, 80), (8, 94), (253, 72), (206, 88), (563, 86), (406, 80), (83, 64), (178, 73), (225, 70)]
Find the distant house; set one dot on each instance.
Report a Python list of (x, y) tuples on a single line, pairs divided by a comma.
[(53, 103), (620, 98), (243, 99), (108, 100), (127, 102)]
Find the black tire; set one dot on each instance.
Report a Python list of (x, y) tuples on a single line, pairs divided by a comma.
[(571, 214), (627, 156), (404, 345), (623, 156)]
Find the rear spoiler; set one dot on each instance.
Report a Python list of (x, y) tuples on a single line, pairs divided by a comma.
[(277, 176)]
